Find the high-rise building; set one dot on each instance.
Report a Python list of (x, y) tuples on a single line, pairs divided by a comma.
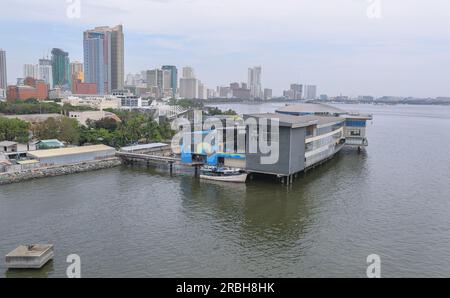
[(310, 92), (60, 68), (173, 78), (30, 71), (254, 82), (104, 58), (3, 76), (45, 71), (188, 88), (76, 71), (188, 72)]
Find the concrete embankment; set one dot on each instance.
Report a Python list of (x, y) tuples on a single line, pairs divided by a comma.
[(8, 178)]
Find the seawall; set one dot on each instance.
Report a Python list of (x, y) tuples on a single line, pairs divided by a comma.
[(60, 170)]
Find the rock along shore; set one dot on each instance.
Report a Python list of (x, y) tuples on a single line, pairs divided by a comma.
[(60, 170)]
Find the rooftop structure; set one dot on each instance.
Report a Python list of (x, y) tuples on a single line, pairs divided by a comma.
[(72, 155)]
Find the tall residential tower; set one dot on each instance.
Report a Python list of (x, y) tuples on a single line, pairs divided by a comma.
[(254, 82), (104, 58), (60, 68), (3, 77)]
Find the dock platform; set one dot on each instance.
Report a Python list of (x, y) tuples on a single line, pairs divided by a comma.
[(30, 256)]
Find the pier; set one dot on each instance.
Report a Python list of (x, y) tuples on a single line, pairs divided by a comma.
[(150, 158)]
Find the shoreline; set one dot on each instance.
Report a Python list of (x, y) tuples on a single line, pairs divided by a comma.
[(59, 170)]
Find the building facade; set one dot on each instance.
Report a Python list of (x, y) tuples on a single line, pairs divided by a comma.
[(173, 78), (254, 82), (104, 58), (60, 68), (3, 72)]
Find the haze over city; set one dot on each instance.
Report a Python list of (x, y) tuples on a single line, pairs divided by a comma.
[(401, 50)]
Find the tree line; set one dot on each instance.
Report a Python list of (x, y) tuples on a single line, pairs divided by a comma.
[(134, 127)]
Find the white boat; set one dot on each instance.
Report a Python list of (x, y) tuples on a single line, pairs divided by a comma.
[(223, 174)]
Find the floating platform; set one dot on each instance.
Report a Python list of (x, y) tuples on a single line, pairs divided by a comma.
[(29, 256)]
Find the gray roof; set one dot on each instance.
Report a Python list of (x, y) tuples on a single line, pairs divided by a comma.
[(7, 144), (297, 121), (311, 108), (144, 147)]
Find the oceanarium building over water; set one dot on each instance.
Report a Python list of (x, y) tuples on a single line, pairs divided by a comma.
[(308, 135)]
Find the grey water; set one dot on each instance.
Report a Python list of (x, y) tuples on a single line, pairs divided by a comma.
[(393, 200)]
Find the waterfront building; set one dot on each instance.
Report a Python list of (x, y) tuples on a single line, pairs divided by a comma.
[(302, 142), (267, 94), (104, 58), (310, 92), (254, 82), (355, 123), (71, 155), (60, 68), (3, 72)]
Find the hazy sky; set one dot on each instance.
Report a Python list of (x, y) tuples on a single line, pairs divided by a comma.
[(339, 45)]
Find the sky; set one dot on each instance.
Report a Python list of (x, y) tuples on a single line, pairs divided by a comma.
[(349, 47)]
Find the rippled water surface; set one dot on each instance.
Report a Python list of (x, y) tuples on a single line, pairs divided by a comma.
[(392, 200)]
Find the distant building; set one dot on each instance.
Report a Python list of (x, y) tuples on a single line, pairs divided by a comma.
[(45, 71), (241, 93), (173, 78), (225, 92), (254, 82), (310, 92), (60, 68), (3, 73), (104, 58), (267, 94), (188, 88), (294, 93), (323, 97), (31, 88), (83, 117), (30, 71), (188, 72), (76, 71), (78, 87)]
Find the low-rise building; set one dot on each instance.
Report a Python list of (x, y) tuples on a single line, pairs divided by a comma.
[(71, 155), (83, 117), (7, 146)]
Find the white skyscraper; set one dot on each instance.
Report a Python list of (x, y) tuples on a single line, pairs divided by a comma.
[(30, 71), (188, 72), (45, 71), (254, 82), (188, 84), (3, 76)]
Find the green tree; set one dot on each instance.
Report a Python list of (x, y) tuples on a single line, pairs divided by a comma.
[(64, 129), (14, 130)]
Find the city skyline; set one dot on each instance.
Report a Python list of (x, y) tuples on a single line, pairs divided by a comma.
[(402, 53)]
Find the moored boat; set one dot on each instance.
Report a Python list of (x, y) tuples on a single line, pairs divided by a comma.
[(223, 174)]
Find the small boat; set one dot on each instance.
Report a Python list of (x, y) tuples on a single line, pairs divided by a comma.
[(223, 174)]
